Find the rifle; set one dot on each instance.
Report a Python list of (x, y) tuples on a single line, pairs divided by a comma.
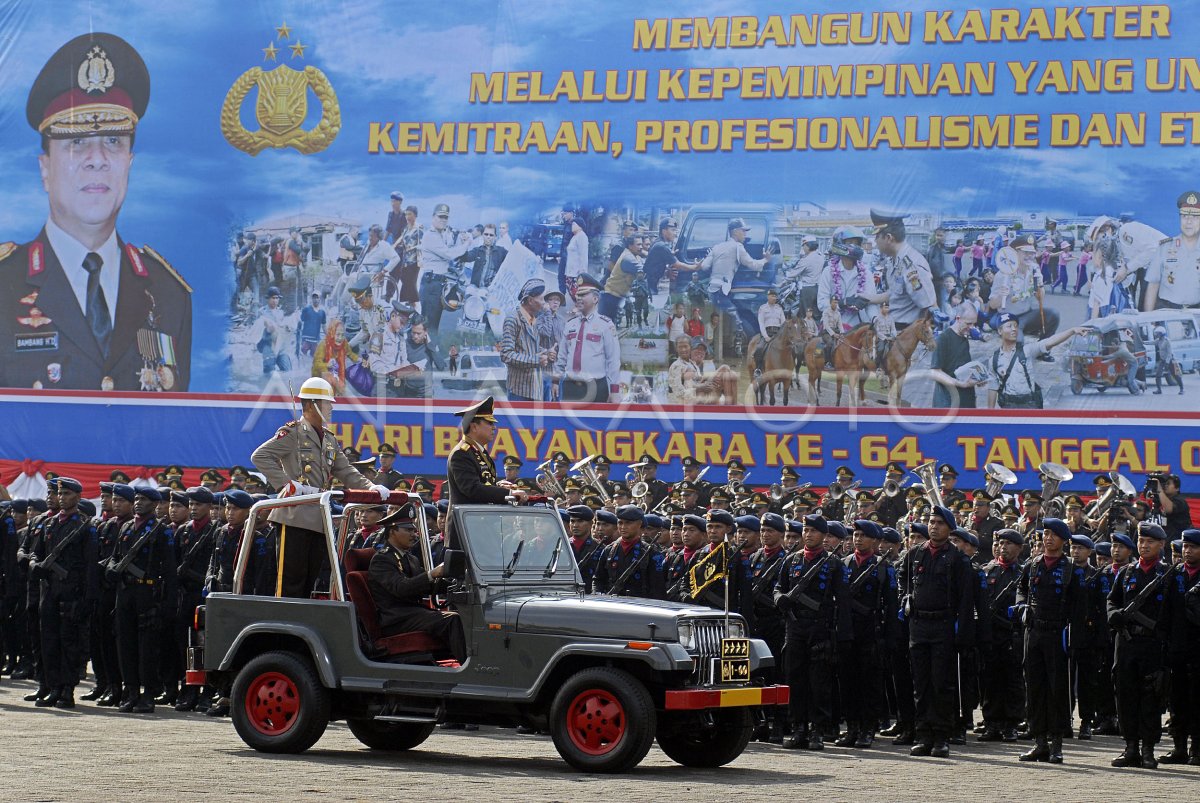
[(797, 593), (768, 578), (616, 588), (856, 586), (1132, 611), (51, 561), (185, 569), (126, 562)]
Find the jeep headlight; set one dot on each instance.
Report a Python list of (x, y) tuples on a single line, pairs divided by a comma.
[(687, 635), (735, 629)]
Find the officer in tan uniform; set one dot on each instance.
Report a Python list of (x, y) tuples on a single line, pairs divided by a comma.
[(304, 458)]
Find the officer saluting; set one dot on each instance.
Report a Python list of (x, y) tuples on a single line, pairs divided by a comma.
[(304, 458), (81, 308)]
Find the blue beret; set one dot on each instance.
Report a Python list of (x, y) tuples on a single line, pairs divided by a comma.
[(219, 498), (630, 513), (796, 526), (655, 521), (150, 493), (1104, 548), (582, 512), (106, 487), (817, 522), (837, 529), (52, 484), (892, 535), (774, 521), (239, 499), (694, 521), (126, 492), (20, 506), (868, 528), (1149, 530), (722, 517), (39, 505), (606, 517), (747, 523), (919, 528), (564, 515), (70, 484), (966, 535), (945, 514), (1058, 527), (443, 505), (1009, 534), (1177, 544), (1124, 540), (336, 509), (86, 507), (1191, 537), (430, 510), (200, 494), (176, 497), (1082, 540)]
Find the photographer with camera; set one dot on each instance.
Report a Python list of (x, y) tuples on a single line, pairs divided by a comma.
[(1163, 492)]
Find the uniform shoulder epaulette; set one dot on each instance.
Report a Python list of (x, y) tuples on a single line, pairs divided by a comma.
[(145, 249), (605, 318), (463, 446), (7, 250), (286, 428)]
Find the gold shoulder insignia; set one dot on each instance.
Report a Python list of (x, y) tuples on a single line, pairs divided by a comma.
[(464, 446), (148, 250), (6, 250)]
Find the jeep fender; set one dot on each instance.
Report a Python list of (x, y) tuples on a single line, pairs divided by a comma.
[(667, 657), (316, 647)]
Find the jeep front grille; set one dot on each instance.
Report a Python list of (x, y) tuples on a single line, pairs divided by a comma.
[(708, 638)]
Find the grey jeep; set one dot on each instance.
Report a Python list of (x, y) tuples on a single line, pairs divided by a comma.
[(606, 676)]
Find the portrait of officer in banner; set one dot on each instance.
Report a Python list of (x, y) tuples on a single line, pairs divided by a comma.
[(81, 308)]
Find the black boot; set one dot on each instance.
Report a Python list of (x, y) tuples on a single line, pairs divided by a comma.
[(1056, 756), (50, 699), (922, 748), (111, 697), (144, 705), (865, 740), (219, 709), (815, 742), (895, 729), (990, 734), (1039, 752), (34, 696), (1085, 732), (795, 740), (847, 739), (66, 697), (1130, 756), (1149, 762), (95, 694), (131, 699), (959, 737), (1178, 754), (187, 700), (904, 738)]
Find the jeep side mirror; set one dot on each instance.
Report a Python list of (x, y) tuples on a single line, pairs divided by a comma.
[(456, 564)]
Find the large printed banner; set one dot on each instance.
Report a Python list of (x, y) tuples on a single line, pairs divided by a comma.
[(815, 238)]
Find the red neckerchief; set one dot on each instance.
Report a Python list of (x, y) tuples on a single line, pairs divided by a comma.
[(861, 557), (1003, 563), (934, 550), (687, 554), (771, 552), (1148, 568), (577, 543), (1191, 570), (1051, 562), (812, 555), (627, 545), (200, 524)]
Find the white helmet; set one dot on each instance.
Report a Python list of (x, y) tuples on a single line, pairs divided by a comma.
[(316, 388), (1100, 223)]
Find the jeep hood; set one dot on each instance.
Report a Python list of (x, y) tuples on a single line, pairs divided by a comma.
[(604, 617)]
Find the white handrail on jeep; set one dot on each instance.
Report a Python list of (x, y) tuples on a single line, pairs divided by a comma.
[(323, 499)]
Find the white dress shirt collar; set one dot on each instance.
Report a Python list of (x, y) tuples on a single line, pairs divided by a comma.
[(70, 253)]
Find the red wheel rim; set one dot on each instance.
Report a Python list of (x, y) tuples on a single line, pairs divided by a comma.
[(272, 703), (596, 722)]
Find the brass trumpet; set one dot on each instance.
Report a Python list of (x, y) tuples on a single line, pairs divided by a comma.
[(547, 482), (588, 472)]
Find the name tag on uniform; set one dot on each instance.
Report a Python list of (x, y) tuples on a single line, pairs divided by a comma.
[(44, 341)]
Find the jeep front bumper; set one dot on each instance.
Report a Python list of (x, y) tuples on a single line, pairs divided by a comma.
[(696, 699)]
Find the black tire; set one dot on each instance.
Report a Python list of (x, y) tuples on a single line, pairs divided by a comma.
[(602, 720), (1076, 385), (278, 704), (390, 735), (687, 740)]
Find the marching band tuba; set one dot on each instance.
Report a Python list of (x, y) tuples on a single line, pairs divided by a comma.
[(1121, 490), (588, 472), (837, 490), (927, 474), (1052, 476), (547, 482)]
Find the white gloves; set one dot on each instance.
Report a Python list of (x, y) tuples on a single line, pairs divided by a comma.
[(383, 492), (294, 488)]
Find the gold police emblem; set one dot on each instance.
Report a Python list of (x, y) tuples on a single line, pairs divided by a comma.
[(281, 106), (96, 73)]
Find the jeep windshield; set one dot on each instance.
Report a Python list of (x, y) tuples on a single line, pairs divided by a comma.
[(519, 544)]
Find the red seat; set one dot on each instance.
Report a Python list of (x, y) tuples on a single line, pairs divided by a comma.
[(418, 642), (358, 560)]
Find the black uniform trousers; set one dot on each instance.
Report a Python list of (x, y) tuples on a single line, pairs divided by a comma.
[(63, 617), (808, 662), (305, 560), (105, 657), (138, 629), (934, 674), (1185, 697), (859, 670), (1048, 706), (1137, 665), (1002, 692), (1087, 665), (446, 625), (1106, 685), (772, 631), (899, 667), (968, 674)]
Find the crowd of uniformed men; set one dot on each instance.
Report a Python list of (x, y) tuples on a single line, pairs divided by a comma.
[(898, 612)]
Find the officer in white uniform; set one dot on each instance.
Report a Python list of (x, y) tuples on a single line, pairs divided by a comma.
[(1173, 278)]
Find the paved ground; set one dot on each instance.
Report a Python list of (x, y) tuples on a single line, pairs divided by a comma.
[(94, 754)]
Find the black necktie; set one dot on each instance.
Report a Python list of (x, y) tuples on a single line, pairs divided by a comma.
[(97, 305)]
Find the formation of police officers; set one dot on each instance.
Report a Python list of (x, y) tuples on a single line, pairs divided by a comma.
[(898, 612)]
